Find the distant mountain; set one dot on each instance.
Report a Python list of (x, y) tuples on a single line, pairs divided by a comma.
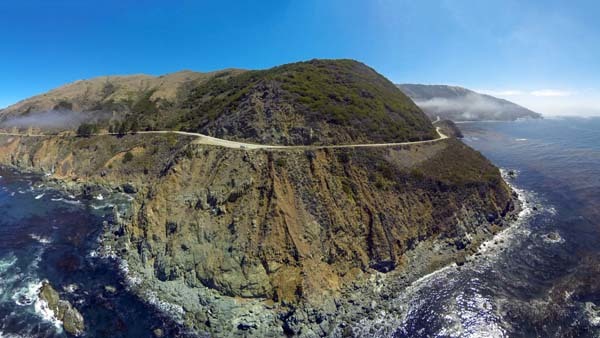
[(461, 104)]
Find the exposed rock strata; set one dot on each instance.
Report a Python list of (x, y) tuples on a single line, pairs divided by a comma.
[(273, 242)]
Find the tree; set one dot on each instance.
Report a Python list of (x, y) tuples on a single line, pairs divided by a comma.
[(87, 129), (135, 126), (122, 130), (128, 157)]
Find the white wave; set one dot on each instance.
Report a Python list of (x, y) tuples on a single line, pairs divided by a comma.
[(592, 312), (129, 198), (28, 294), (100, 197), (521, 139), (14, 335), (102, 206), (66, 201), (7, 262), (71, 288), (552, 238), (40, 239), (39, 196), (43, 310), (475, 316), (175, 311)]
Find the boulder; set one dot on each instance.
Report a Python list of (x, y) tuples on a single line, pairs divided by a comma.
[(72, 320)]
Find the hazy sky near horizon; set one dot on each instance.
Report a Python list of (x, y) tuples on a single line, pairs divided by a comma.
[(544, 54)]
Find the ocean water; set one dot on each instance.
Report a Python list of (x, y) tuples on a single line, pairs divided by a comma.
[(540, 277), (45, 235)]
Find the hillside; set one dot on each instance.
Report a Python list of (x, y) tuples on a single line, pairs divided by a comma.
[(314, 102), (461, 104), (108, 99)]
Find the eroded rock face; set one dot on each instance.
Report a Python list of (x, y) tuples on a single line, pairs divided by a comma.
[(291, 229), (72, 320), (298, 225)]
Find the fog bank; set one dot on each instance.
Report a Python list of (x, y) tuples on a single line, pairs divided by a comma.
[(53, 119)]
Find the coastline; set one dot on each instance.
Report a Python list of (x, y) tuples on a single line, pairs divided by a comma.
[(367, 295), (201, 307), (387, 287)]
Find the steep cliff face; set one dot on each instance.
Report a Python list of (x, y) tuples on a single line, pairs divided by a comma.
[(293, 227), (268, 221)]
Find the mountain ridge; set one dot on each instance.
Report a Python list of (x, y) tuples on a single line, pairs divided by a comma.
[(461, 104), (302, 103)]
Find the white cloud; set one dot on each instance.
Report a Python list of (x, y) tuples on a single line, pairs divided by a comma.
[(506, 92), (551, 93), (582, 102)]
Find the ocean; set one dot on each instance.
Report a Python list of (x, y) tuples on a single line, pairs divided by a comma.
[(541, 276), (538, 278), (46, 235)]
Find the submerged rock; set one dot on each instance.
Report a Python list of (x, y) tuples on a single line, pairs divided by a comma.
[(72, 320), (158, 332)]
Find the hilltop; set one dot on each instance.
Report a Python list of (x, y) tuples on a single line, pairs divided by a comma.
[(461, 104), (314, 102)]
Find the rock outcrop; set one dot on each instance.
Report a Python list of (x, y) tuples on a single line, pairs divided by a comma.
[(63, 311)]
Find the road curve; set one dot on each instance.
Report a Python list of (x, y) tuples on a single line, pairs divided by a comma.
[(209, 140)]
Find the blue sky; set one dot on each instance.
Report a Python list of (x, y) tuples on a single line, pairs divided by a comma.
[(544, 54)]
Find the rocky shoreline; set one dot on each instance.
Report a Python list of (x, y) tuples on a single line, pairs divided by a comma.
[(365, 297), (153, 229)]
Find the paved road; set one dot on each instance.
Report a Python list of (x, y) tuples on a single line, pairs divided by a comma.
[(209, 140)]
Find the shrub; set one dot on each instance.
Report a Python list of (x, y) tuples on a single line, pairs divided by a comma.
[(128, 157), (280, 162), (87, 129)]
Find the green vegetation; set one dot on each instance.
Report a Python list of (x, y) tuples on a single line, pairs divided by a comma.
[(63, 105), (345, 93), (459, 165), (87, 129), (280, 162), (144, 104), (313, 102), (108, 89), (129, 125), (128, 157)]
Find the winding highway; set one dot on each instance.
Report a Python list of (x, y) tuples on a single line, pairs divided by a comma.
[(209, 140)]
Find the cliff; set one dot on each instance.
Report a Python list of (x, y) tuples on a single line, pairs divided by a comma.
[(289, 228)]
